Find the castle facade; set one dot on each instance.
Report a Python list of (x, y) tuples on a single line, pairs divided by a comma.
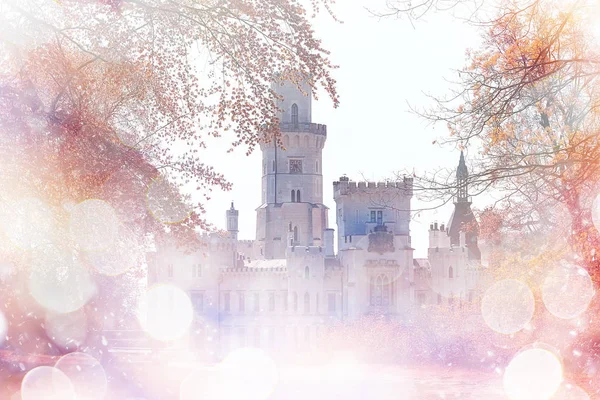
[(283, 289)]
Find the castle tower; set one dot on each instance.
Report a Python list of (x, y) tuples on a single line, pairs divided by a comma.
[(232, 222), (462, 219), (292, 179)]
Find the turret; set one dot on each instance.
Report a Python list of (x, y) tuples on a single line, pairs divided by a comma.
[(232, 221)]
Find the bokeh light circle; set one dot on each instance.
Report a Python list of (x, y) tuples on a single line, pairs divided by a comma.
[(58, 281), (123, 254), (165, 312), (567, 291), (46, 383), (28, 222), (67, 331), (508, 306), (94, 224), (568, 391), (86, 375), (533, 374), (165, 202)]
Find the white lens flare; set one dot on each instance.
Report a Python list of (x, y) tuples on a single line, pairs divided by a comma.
[(28, 222), (46, 383), (86, 374), (3, 328), (58, 281), (507, 306), (533, 374), (251, 372), (67, 331), (246, 373), (567, 291), (94, 224), (569, 391), (165, 202), (165, 312)]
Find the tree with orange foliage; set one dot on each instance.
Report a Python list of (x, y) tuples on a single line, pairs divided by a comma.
[(528, 102), (113, 102)]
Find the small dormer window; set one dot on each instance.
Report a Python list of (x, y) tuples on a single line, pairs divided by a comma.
[(294, 114)]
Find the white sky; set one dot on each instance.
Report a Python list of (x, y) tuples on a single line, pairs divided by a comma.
[(384, 65)]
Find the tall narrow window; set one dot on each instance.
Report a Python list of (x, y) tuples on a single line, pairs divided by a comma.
[(307, 335), (317, 167), (293, 196), (306, 303), (331, 306), (272, 301), (298, 196), (256, 302), (306, 272), (295, 234), (380, 291), (226, 302), (285, 300), (373, 213), (295, 302), (294, 114), (196, 271), (242, 305), (170, 270), (257, 336), (379, 217), (450, 272)]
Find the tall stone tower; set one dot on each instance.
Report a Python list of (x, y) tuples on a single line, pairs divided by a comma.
[(462, 219), (292, 179), (232, 222)]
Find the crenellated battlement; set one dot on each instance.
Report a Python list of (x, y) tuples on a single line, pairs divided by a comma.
[(345, 186), (303, 251), (254, 270)]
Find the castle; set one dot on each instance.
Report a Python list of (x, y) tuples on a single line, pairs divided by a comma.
[(282, 289)]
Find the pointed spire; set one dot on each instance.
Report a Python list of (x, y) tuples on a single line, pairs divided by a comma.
[(232, 207), (462, 172), (462, 176)]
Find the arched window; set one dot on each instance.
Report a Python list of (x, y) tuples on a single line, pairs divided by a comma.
[(296, 141), (450, 272), (306, 272), (286, 141), (293, 196), (295, 302), (380, 291), (295, 234), (306, 303), (294, 114), (306, 142), (298, 196)]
